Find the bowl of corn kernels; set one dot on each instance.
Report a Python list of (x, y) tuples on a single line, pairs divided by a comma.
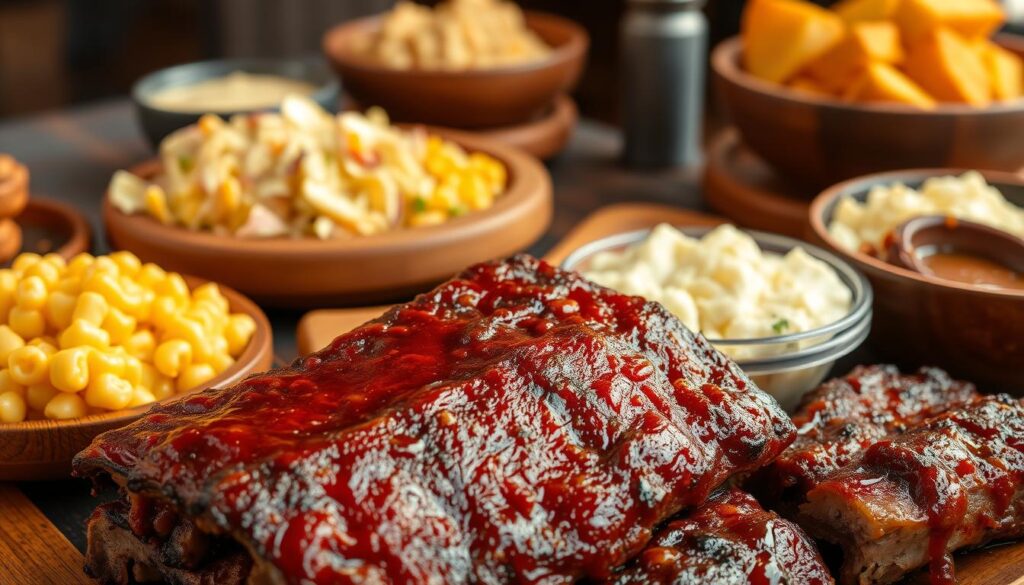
[(89, 344), (304, 207)]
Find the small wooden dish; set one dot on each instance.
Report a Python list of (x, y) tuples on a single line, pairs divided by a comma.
[(43, 449), (50, 226), (543, 137), (741, 186), (476, 98), (384, 267)]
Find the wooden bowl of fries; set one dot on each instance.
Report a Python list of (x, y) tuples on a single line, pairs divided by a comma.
[(388, 266), (471, 98)]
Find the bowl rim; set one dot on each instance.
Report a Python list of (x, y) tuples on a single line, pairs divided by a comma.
[(855, 282), (336, 46), (861, 184), (725, 61), (526, 175), (316, 71), (258, 351)]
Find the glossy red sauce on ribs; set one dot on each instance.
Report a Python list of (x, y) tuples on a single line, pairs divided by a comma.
[(961, 472), (844, 416), (728, 540), (517, 423)]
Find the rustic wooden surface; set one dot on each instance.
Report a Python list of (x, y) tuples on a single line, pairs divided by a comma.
[(32, 550)]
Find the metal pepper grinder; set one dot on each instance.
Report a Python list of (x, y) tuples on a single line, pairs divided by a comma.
[(664, 55)]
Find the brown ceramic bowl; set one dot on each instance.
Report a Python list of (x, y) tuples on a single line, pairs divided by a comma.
[(43, 449), (818, 141), (974, 332), (385, 267), (51, 226), (478, 98)]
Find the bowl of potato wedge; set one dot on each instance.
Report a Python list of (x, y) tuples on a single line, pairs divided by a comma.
[(871, 85)]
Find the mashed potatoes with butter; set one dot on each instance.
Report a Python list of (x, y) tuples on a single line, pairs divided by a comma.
[(725, 286)]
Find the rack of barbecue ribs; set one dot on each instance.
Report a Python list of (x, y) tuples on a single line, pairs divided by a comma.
[(842, 417), (728, 540), (954, 481), (518, 423)]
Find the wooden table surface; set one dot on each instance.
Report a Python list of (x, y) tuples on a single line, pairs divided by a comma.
[(71, 155)]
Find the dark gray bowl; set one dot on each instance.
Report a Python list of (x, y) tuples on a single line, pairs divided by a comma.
[(157, 123)]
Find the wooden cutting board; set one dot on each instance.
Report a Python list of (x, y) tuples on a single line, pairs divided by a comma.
[(32, 550)]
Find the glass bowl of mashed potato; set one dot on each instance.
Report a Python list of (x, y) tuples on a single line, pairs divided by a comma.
[(783, 310), (176, 97)]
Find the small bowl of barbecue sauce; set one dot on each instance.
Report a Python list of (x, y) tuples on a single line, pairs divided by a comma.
[(959, 251)]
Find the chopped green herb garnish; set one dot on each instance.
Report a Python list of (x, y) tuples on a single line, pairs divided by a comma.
[(779, 326), (456, 211), (419, 204), (185, 163)]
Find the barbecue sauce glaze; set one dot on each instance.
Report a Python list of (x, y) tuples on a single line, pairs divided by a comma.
[(517, 423)]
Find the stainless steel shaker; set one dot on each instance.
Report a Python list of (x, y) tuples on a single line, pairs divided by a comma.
[(664, 55)]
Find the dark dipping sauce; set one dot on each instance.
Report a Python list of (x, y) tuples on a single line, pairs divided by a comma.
[(971, 269)]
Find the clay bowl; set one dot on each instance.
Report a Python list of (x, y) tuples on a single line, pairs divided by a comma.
[(819, 141), (51, 226), (366, 270), (544, 137), (157, 122), (972, 331), (43, 449), (482, 98)]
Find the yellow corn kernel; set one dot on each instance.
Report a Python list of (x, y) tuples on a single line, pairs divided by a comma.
[(141, 397), (210, 123), (156, 204), (46, 271), (106, 362), (69, 369), (82, 332), (79, 264), (141, 345), (65, 406), (13, 408), (31, 293), (57, 260), (60, 307), (25, 261), (150, 275), (45, 343), (229, 197), (211, 292), (28, 365), (238, 332), (426, 218), (172, 357), (194, 376), (119, 325), (132, 370), (474, 192), (191, 331), (39, 395), (128, 263), (221, 361), (174, 286), (91, 307), (27, 323), (71, 285), (9, 341), (7, 383), (108, 391)]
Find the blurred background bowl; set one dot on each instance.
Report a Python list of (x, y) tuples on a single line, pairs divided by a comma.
[(788, 365), (975, 333), (157, 123), (475, 98), (817, 141)]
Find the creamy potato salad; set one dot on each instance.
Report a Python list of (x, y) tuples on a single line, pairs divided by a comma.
[(863, 227), (725, 286)]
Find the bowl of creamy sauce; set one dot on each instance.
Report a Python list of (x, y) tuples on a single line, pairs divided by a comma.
[(173, 98)]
